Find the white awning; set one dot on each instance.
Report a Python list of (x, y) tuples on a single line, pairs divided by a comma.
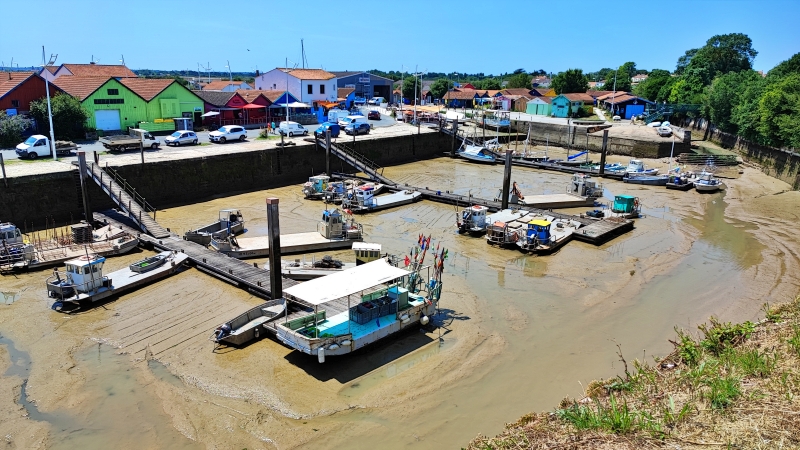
[(344, 283), (293, 105), (210, 113)]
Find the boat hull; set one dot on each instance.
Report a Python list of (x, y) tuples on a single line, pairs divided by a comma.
[(707, 187), (680, 187)]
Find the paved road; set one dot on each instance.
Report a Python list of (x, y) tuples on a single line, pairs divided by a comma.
[(96, 146)]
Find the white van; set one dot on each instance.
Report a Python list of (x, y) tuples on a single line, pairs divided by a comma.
[(335, 115), (350, 120), (292, 129)]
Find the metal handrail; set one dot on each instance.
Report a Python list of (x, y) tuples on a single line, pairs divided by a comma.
[(130, 190)]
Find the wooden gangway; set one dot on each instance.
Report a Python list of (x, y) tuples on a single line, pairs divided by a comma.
[(358, 161), (132, 203)]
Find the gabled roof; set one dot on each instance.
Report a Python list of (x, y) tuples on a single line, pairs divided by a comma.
[(250, 95), (52, 69), (341, 74), (344, 92), (548, 100), (10, 80), (517, 91), (580, 97), (274, 95), (597, 94), (80, 87), (493, 92), (308, 74), (218, 85), (466, 94), (611, 94), (147, 88), (215, 98), (99, 70), (625, 98)]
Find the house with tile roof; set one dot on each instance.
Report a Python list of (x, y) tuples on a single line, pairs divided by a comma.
[(19, 89), (625, 105), (540, 82), (226, 86), (308, 85), (88, 70), (466, 98), (119, 103)]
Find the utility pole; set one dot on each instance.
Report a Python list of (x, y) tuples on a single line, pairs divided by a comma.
[(49, 108)]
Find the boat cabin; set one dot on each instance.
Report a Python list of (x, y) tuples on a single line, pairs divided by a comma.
[(331, 224), (625, 204), (538, 230), (584, 186), (10, 234), (85, 274), (366, 252), (316, 185), (473, 218), (635, 166), (365, 196), (229, 217)]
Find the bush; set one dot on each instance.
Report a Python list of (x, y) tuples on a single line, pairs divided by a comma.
[(69, 116), (11, 129)]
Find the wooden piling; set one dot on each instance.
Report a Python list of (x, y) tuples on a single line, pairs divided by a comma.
[(274, 238), (506, 181)]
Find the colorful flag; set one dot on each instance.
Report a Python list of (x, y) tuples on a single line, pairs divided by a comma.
[(408, 261)]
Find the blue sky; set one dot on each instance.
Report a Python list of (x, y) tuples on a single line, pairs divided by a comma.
[(442, 36)]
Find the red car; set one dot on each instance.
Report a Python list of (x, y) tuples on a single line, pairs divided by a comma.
[(374, 115)]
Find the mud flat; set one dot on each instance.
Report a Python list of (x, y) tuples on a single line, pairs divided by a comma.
[(517, 332)]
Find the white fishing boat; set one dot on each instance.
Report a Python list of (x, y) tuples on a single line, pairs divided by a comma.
[(249, 326), (651, 180), (635, 166), (584, 185), (476, 153), (337, 191), (364, 199), (230, 223), (82, 280), (472, 220), (360, 306), (333, 231), (706, 182)]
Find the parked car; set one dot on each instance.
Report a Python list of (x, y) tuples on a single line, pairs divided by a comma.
[(334, 127), (181, 137), (359, 100), (376, 101), (349, 120), (664, 131), (357, 128), (228, 133), (374, 115), (292, 129)]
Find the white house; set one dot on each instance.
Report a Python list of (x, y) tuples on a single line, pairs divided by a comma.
[(309, 85), (639, 78), (226, 86)]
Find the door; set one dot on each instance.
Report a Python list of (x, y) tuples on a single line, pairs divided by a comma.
[(107, 119), (633, 110)]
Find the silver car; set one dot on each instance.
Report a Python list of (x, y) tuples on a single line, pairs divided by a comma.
[(181, 137)]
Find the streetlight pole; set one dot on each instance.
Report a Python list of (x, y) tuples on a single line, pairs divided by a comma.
[(49, 108)]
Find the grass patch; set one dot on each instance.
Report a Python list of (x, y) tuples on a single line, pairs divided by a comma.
[(728, 386)]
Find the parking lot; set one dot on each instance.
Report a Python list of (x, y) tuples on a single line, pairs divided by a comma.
[(252, 135)]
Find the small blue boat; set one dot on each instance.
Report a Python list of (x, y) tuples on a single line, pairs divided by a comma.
[(477, 153)]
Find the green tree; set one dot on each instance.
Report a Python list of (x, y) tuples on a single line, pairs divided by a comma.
[(779, 111), (791, 65), (629, 69), (689, 88), (408, 88), (623, 81), (725, 94), (722, 54), (440, 87), (520, 80), (182, 81), (650, 87), (69, 116), (11, 129), (684, 60), (488, 83), (666, 90), (572, 80)]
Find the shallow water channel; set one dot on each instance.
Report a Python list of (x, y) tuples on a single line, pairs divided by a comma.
[(517, 334)]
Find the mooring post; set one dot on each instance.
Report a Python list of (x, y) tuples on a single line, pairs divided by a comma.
[(274, 238), (3, 166), (87, 209), (506, 181), (96, 157), (603, 153), (328, 152), (455, 134)]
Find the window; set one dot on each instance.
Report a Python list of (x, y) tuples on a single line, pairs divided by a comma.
[(109, 101), (310, 88), (321, 88), (113, 91), (15, 103)]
